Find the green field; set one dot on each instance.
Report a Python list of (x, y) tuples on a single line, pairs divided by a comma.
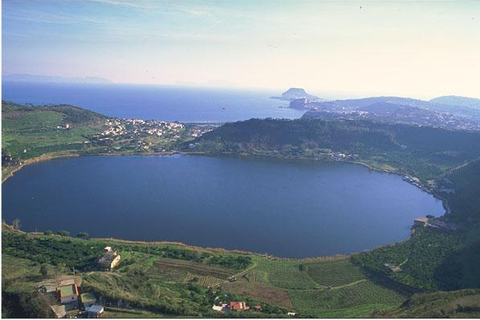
[(29, 132), (286, 274), (335, 273), (364, 295)]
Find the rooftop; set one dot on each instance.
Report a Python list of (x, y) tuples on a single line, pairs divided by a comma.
[(95, 308), (68, 290), (107, 258)]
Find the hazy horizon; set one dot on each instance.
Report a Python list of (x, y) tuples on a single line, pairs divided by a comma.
[(345, 49)]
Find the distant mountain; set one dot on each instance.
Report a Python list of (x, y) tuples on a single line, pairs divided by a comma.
[(358, 104), (297, 93), (386, 112), (50, 79), (352, 104), (457, 101)]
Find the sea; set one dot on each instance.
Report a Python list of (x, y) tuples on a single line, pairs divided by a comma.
[(169, 103)]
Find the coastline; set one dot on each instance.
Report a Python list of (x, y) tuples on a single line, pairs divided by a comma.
[(226, 251), (54, 156), (43, 157)]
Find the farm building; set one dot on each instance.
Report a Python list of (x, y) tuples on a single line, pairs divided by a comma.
[(95, 311), (87, 299), (110, 259), (68, 293), (222, 308), (238, 306)]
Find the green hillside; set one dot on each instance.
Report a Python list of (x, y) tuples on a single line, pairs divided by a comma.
[(29, 131), (453, 304), (173, 280), (421, 151)]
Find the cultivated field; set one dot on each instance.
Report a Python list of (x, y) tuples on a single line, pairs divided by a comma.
[(286, 274), (361, 294), (270, 294), (335, 273), (194, 268)]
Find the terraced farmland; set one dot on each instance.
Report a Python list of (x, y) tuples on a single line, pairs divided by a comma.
[(334, 273), (364, 293), (286, 274), (205, 281), (194, 268)]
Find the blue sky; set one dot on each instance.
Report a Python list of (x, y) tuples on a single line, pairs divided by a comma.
[(420, 49)]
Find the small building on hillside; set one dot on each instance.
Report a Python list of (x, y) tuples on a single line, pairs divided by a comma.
[(109, 260), (238, 306), (88, 299), (68, 293), (222, 308), (95, 311), (423, 222)]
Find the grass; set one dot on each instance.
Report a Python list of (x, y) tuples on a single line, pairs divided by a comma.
[(286, 274), (334, 273), (455, 304), (13, 267), (29, 132), (111, 312)]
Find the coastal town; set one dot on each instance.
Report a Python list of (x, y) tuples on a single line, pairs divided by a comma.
[(146, 136)]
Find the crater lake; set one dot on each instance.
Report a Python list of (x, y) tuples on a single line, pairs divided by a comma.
[(287, 209)]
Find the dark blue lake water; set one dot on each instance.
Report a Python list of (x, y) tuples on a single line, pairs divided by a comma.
[(289, 209), (185, 104)]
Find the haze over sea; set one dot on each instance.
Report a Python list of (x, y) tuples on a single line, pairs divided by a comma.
[(170, 103)]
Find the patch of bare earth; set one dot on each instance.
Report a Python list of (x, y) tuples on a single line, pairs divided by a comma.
[(194, 268), (259, 291)]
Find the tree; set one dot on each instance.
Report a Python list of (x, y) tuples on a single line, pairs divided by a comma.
[(16, 224), (82, 235), (44, 270), (63, 233), (48, 233)]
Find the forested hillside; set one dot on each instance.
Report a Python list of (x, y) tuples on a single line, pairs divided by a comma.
[(421, 151)]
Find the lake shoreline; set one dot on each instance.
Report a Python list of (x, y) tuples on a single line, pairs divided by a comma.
[(47, 157)]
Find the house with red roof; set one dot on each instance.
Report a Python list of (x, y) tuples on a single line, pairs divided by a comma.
[(238, 306)]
